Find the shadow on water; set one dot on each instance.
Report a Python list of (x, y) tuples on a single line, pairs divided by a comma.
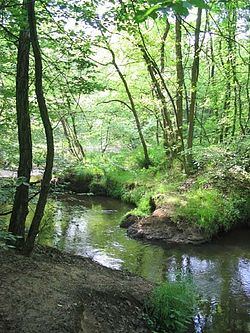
[(89, 226)]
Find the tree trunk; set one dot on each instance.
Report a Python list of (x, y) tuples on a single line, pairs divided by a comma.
[(162, 50), (168, 131), (248, 97), (194, 80), (133, 109), (34, 228), (180, 85), (179, 71), (20, 206), (173, 138), (67, 136)]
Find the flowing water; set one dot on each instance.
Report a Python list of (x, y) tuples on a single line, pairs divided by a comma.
[(89, 226)]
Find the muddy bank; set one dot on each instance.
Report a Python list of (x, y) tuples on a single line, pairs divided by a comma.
[(56, 292), (159, 226)]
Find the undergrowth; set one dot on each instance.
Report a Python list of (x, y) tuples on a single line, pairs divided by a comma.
[(210, 210), (171, 307), (213, 199)]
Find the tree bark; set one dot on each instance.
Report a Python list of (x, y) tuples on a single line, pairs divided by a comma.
[(34, 228), (180, 85), (194, 80), (162, 50), (20, 206), (179, 71)]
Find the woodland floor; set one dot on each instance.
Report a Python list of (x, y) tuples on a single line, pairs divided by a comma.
[(54, 292)]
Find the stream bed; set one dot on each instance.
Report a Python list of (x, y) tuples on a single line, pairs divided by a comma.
[(89, 226)]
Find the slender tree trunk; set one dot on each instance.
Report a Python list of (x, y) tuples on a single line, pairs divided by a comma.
[(20, 206), (224, 114), (179, 71), (34, 228), (73, 136), (248, 97), (133, 109), (194, 80), (172, 135), (163, 41), (168, 131), (67, 136), (76, 140), (232, 24), (180, 85), (226, 108)]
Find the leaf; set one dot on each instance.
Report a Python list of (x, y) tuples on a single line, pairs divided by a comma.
[(199, 3), (180, 9), (142, 15), (22, 181), (160, 2), (187, 4)]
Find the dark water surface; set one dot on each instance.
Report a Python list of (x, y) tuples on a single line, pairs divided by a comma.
[(89, 226)]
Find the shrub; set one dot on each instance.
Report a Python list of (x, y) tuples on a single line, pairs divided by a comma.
[(171, 307)]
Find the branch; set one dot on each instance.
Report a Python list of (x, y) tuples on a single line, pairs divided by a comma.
[(100, 63), (32, 197), (9, 33), (116, 100), (220, 34)]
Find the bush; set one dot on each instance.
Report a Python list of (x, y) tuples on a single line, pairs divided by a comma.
[(171, 307)]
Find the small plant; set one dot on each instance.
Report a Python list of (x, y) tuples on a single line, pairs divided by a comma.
[(5, 235), (171, 307)]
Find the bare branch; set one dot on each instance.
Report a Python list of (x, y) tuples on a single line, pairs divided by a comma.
[(116, 100), (32, 197)]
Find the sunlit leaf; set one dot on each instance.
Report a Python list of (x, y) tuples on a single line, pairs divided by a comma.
[(142, 15), (22, 181), (199, 3)]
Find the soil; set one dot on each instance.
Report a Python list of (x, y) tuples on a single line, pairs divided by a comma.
[(160, 227), (54, 292)]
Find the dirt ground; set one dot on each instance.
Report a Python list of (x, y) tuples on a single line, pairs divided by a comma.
[(53, 292)]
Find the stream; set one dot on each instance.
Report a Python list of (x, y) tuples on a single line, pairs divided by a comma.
[(89, 226)]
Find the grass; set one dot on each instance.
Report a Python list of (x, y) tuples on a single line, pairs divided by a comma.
[(211, 211), (171, 307)]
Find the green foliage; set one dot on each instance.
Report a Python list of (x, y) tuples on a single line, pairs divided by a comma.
[(5, 236), (171, 307), (2, 233), (178, 7), (210, 210), (83, 172)]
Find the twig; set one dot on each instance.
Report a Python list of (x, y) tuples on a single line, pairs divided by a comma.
[(115, 100), (10, 212)]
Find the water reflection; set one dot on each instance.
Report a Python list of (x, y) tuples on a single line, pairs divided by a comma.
[(89, 226)]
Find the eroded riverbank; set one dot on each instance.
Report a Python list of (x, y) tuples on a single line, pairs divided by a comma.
[(57, 292)]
